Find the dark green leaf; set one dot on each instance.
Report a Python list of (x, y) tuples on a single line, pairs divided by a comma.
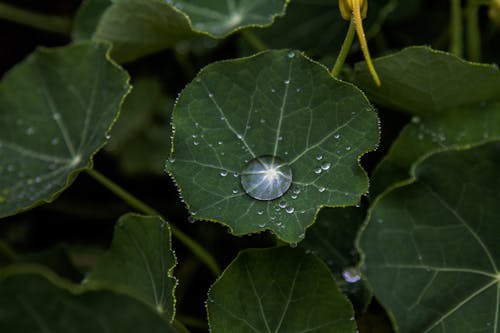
[(281, 104), (137, 27), (462, 127), (432, 247), (423, 81), (139, 263), (87, 18), (55, 110), (30, 303), (278, 290)]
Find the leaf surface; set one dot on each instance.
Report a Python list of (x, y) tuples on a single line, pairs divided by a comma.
[(87, 18), (30, 303), (463, 127), (432, 247), (56, 109), (423, 81), (139, 263), (137, 27), (278, 290), (277, 103)]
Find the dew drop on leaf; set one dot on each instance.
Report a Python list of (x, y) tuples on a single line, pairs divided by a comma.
[(266, 177), (351, 275)]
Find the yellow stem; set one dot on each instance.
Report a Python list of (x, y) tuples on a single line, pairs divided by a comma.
[(356, 11)]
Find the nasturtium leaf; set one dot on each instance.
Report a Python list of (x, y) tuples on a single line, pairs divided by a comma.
[(139, 263), (278, 104), (332, 238), (423, 81), (140, 27), (56, 109), (432, 247), (220, 18), (278, 290), (30, 303), (463, 127), (87, 18)]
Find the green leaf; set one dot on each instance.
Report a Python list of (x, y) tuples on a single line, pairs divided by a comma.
[(137, 27), (464, 127), (432, 249), (30, 303), (276, 103), (139, 263), (423, 81), (87, 18), (278, 290), (55, 110), (332, 238)]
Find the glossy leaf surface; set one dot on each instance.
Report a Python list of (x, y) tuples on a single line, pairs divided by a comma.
[(278, 290), (280, 104), (56, 109), (432, 247)]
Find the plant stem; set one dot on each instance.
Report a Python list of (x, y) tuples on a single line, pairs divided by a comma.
[(456, 28), (473, 33), (344, 50), (191, 244), (56, 24), (253, 40)]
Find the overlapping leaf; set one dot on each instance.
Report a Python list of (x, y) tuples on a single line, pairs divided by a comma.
[(423, 81), (139, 263), (464, 127), (432, 247), (55, 111), (138, 27), (278, 290), (276, 103), (87, 18)]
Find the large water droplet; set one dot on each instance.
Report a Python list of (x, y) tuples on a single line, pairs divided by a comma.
[(266, 177)]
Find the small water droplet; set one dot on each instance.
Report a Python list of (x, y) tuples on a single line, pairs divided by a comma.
[(280, 138), (286, 82), (415, 119), (222, 118), (282, 204), (351, 275), (171, 159), (337, 136), (321, 189), (293, 245), (294, 196), (273, 90), (260, 212), (291, 54), (30, 131), (54, 141), (318, 170), (290, 210), (223, 173), (266, 177), (262, 120), (235, 191), (219, 142), (319, 157), (262, 225), (297, 90), (239, 136), (191, 219), (108, 136), (348, 148), (325, 166), (196, 143), (210, 95)]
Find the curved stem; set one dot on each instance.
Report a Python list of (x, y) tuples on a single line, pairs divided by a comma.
[(456, 28), (191, 244), (356, 12), (56, 24), (473, 33), (344, 50)]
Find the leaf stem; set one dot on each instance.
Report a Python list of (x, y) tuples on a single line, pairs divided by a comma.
[(456, 28), (51, 23), (344, 50), (473, 33), (253, 40), (137, 204)]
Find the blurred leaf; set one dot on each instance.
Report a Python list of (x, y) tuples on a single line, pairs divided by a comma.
[(30, 303), (87, 18), (55, 111), (432, 247), (139, 263), (464, 127), (422, 81), (278, 290), (137, 27), (276, 106)]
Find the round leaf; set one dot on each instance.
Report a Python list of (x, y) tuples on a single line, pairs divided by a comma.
[(432, 248), (278, 290), (55, 111), (277, 103)]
